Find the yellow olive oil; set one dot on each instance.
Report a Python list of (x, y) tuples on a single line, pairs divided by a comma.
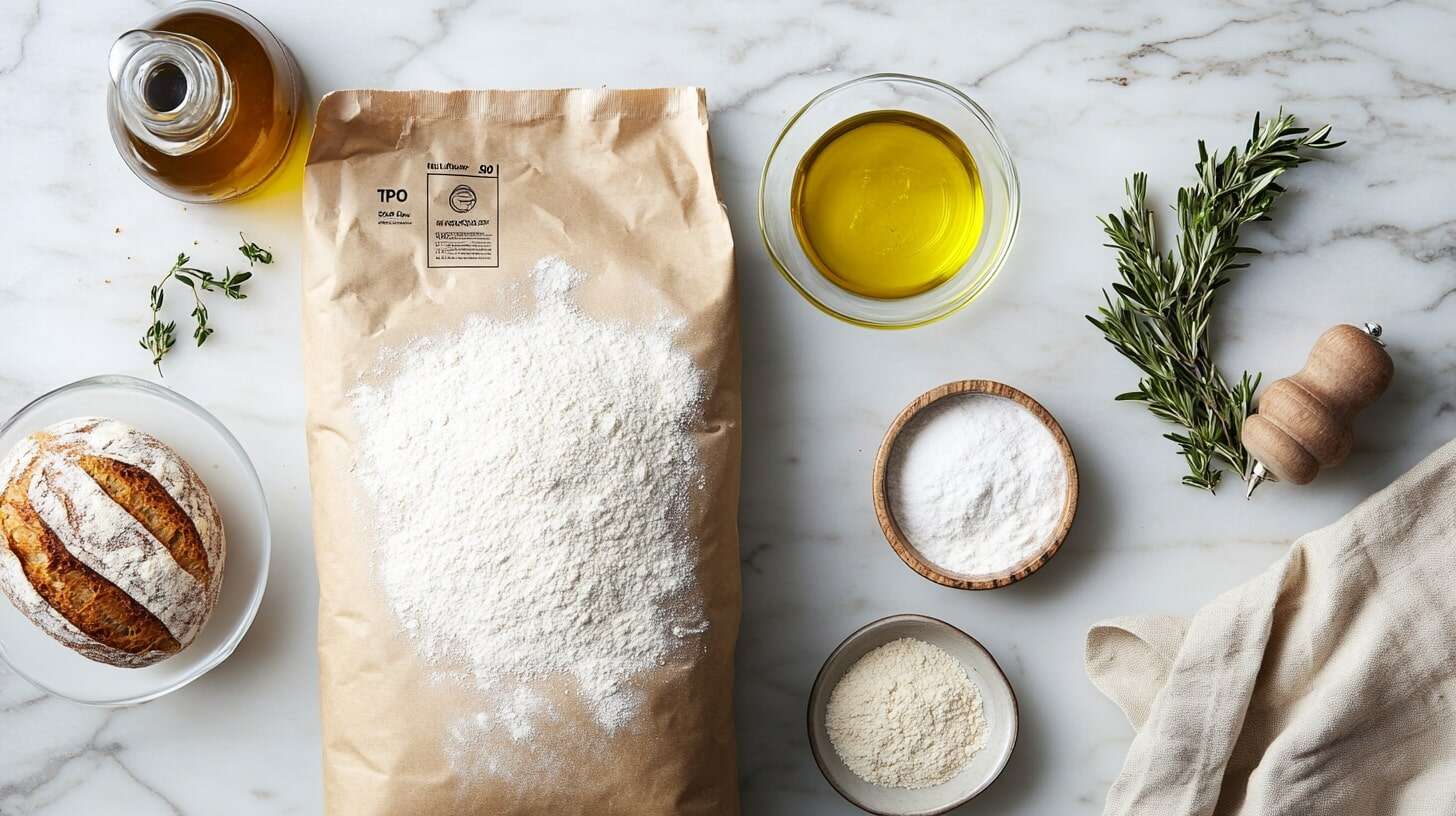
[(888, 204)]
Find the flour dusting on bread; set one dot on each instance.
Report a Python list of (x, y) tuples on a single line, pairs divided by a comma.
[(109, 541)]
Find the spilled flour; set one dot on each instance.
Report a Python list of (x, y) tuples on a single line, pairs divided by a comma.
[(531, 481)]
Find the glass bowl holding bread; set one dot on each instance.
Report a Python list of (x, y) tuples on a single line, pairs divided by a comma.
[(134, 541)]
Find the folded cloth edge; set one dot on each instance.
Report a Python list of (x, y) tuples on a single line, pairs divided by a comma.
[(1128, 659)]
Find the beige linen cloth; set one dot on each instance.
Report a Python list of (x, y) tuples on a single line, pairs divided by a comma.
[(1323, 686)]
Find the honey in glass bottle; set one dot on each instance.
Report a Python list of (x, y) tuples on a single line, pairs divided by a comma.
[(203, 101)]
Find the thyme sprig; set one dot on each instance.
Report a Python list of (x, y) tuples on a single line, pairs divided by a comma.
[(1157, 316), (160, 337), (253, 252)]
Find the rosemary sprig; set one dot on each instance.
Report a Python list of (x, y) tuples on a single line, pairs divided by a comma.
[(161, 337), (1158, 314)]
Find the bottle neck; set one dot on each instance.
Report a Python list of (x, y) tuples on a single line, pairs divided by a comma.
[(171, 90)]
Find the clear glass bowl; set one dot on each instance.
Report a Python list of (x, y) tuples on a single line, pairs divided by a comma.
[(929, 98), (234, 485)]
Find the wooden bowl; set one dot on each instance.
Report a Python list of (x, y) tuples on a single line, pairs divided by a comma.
[(902, 545), (997, 699)]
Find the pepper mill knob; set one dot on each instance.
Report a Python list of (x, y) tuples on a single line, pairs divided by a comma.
[(1303, 421)]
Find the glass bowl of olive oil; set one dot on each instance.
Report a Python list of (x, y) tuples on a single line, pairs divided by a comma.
[(889, 201)]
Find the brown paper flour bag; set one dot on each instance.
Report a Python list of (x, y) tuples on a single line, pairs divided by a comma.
[(521, 344)]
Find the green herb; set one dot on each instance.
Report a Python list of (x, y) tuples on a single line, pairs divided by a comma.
[(1159, 312), (253, 252), (161, 337)]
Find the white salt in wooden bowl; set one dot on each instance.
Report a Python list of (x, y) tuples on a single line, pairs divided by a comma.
[(997, 699), (902, 545)]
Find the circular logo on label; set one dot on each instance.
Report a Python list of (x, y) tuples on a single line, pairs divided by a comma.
[(462, 198)]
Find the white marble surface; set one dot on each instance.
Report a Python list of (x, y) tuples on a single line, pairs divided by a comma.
[(1086, 92)]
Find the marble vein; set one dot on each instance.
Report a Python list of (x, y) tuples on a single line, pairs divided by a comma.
[(28, 25), (32, 794), (1035, 46), (442, 18)]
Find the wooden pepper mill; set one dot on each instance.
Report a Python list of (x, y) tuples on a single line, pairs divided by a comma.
[(1303, 421)]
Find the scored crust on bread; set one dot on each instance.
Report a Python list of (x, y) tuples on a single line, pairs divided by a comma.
[(109, 541)]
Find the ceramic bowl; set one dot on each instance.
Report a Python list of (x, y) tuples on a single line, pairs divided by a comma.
[(997, 698), (229, 475)]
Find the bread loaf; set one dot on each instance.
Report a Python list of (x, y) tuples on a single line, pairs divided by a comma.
[(109, 541)]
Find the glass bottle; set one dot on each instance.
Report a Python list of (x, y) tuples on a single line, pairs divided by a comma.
[(203, 101)]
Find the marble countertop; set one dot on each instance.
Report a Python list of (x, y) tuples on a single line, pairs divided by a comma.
[(1085, 92)]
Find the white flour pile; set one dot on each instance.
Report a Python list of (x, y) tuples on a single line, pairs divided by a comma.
[(906, 715), (531, 481), (977, 484)]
